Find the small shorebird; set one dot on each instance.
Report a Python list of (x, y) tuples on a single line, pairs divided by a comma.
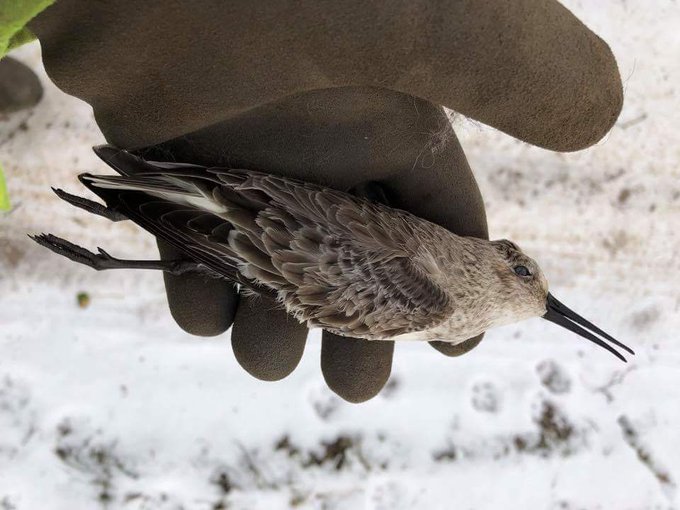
[(335, 261)]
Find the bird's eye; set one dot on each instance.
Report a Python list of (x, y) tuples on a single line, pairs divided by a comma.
[(522, 271)]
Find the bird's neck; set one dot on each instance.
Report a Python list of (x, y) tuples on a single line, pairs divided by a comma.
[(471, 280)]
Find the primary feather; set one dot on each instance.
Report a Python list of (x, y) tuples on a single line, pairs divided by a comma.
[(333, 260)]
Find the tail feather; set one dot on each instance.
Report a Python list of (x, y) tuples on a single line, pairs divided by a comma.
[(146, 183), (181, 190)]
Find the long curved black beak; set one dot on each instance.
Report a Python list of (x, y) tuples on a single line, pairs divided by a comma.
[(560, 314)]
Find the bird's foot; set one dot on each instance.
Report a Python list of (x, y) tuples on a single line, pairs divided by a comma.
[(102, 260), (90, 206)]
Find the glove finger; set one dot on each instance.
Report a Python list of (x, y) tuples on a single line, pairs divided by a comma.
[(454, 350), (441, 188), (355, 369), (200, 305), (267, 342), (529, 68)]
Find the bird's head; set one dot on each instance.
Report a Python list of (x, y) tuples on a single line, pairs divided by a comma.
[(524, 289), (525, 294)]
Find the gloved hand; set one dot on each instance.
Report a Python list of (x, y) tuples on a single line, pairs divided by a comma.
[(338, 93), (343, 138)]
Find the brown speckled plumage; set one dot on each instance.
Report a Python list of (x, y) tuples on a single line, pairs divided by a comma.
[(335, 261)]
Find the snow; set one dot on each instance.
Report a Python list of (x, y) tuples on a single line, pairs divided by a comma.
[(112, 406)]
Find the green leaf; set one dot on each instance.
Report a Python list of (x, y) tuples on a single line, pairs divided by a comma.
[(4, 196), (14, 14)]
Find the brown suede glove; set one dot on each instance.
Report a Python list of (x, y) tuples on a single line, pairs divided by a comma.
[(340, 93)]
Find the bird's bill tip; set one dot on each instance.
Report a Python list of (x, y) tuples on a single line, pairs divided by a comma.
[(562, 315)]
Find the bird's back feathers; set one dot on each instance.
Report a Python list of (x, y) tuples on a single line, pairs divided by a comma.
[(336, 261)]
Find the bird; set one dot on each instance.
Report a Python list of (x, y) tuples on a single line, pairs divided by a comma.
[(348, 264)]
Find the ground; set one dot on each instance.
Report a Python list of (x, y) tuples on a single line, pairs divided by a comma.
[(105, 403)]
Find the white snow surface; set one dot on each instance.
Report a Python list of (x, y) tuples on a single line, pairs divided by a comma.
[(113, 406)]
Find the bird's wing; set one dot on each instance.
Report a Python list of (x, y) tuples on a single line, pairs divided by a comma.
[(349, 265), (335, 261)]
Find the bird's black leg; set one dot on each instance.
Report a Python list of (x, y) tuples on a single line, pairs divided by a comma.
[(102, 260), (90, 206)]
